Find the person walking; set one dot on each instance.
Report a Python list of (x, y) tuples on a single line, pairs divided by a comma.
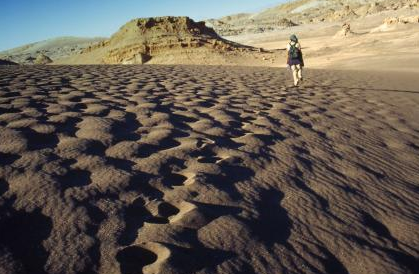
[(295, 59)]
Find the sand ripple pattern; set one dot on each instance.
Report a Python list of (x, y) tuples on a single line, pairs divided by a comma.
[(195, 169)]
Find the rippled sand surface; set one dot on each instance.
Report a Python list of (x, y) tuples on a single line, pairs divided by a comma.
[(195, 169)]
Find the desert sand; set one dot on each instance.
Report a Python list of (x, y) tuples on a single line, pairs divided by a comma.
[(376, 42), (199, 169)]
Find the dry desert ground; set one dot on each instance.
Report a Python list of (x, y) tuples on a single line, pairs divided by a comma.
[(206, 169)]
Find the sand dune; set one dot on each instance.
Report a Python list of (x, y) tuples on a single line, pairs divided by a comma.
[(195, 169)]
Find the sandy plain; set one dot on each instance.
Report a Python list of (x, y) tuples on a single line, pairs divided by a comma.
[(393, 48), (200, 169), (218, 169)]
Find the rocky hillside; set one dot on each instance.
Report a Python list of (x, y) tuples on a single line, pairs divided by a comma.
[(6, 63), (301, 12), (173, 40), (159, 40), (53, 48)]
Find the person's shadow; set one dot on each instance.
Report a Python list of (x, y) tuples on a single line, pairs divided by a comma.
[(273, 224)]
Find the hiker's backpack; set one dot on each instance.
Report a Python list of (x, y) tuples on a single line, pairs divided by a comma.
[(294, 52)]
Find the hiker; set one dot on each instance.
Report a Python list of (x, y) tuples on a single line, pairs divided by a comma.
[(295, 59)]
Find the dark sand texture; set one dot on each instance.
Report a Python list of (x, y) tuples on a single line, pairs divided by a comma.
[(195, 169)]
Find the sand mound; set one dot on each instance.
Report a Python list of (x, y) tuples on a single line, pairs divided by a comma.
[(141, 40), (205, 169), (344, 14), (372, 8), (42, 59), (7, 62), (394, 23)]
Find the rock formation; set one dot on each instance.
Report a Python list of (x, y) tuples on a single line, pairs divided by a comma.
[(303, 12), (236, 25), (345, 31), (42, 59), (344, 14), (284, 22), (140, 40), (393, 23)]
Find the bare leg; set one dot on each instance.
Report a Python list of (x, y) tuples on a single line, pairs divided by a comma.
[(300, 72), (295, 71)]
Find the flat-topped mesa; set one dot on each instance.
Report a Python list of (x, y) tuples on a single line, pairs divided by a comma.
[(141, 39)]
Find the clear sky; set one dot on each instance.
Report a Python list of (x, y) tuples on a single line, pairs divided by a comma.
[(27, 21)]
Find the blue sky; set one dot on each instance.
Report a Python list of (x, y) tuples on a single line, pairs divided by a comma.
[(26, 21)]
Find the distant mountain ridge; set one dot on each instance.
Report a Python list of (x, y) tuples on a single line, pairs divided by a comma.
[(55, 48), (302, 12)]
